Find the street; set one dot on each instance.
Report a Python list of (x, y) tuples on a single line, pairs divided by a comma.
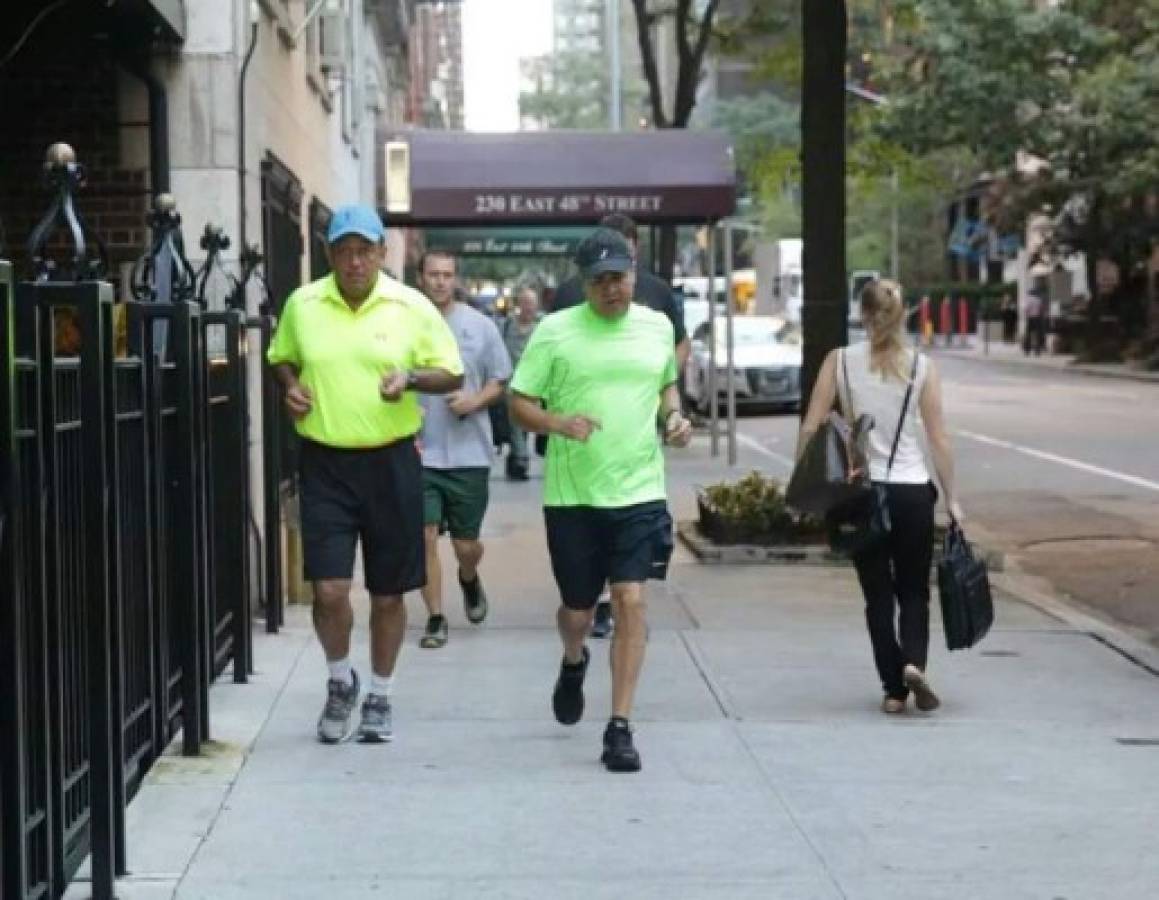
[(1052, 466)]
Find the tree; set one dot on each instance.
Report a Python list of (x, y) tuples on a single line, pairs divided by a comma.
[(693, 31), (573, 92), (1074, 88), (573, 88), (825, 314)]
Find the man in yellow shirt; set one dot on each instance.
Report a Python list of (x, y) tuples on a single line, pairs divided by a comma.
[(351, 351)]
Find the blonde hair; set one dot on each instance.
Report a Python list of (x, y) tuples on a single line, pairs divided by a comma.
[(883, 312)]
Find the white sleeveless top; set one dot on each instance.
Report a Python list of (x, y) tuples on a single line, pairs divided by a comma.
[(870, 393)]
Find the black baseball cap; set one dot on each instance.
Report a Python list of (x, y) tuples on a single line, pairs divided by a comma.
[(602, 251)]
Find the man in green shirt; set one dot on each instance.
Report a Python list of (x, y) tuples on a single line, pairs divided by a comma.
[(351, 350), (601, 377)]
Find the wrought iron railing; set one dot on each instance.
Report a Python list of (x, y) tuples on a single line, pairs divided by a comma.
[(124, 522)]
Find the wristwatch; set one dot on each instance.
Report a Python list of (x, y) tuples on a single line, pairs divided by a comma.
[(412, 381)]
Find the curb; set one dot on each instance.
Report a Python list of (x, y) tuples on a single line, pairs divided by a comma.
[(1080, 369), (710, 553), (1035, 592)]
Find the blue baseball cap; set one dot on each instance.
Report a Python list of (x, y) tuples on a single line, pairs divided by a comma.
[(358, 219)]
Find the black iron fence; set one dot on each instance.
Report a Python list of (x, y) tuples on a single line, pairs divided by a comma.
[(126, 563)]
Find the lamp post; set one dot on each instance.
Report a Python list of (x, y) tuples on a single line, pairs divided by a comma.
[(877, 99), (612, 11)]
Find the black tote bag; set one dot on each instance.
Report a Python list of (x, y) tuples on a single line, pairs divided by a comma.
[(834, 469)]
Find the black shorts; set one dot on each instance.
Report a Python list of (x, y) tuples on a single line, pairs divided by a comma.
[(591, 547), (373, 495)]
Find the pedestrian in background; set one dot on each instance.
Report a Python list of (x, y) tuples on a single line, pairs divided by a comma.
[(1034, 340), (517, 330), (457, 447), (600, 378), (351, 350), (873, 377), (650, 291), (1009, 312)]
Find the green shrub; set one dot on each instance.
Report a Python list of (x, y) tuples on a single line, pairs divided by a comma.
[(753, 510)]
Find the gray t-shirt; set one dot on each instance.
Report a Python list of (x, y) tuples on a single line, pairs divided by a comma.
[(516, 335), (448, 441)]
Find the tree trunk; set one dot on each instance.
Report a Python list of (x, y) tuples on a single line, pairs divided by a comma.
[(826, 309)]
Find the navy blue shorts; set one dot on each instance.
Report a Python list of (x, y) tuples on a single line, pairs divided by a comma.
[(591, 547)]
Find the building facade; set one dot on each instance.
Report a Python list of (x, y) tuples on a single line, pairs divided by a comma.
[(436, 67), (254, 117)]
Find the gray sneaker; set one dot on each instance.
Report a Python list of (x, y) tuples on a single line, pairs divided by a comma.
[(335, 725), (375, 727)]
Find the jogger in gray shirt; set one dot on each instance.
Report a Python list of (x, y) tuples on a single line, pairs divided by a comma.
[(457, 448)]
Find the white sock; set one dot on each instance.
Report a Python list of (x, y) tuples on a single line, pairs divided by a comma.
[(341, 670), (381, 684)]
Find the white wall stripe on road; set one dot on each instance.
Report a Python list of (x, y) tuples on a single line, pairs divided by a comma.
[(753, 444), (1062, 460)]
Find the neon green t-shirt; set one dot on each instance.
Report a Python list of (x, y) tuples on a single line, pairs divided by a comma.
[(341, 355), (578, 363)]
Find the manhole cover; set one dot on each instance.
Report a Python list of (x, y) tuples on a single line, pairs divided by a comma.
[(1138, 742), (1092, 544), (1000, 653)]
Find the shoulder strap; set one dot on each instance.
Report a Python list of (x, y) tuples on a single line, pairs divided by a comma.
[(848, 392), (913, 376)]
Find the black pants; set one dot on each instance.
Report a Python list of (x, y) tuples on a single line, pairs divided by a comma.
[(896, 576)]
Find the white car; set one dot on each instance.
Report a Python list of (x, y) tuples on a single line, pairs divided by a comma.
[(766, 364), (696, 314)]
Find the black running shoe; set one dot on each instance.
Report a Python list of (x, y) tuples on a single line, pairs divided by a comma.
[(517, 469), (619, 753), (436, 634), (474, 599), (567, 700), (603, 624)]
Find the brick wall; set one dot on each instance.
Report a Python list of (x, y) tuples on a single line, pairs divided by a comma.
[(54, 91)]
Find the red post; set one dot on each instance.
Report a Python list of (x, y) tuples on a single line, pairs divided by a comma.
[(946, 325), (963, 318)]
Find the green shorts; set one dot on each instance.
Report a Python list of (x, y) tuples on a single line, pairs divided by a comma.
[(456, 500)]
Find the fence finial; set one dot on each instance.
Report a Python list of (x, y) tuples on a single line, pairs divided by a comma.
[(214, 241), (65, 177), (163, 273)]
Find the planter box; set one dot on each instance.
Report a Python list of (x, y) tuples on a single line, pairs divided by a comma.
[(720, 530), (709, 551)]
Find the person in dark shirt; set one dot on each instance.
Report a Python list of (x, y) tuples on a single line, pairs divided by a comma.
[(653, 292)]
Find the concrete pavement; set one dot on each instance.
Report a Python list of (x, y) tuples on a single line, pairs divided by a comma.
[(768, 771)]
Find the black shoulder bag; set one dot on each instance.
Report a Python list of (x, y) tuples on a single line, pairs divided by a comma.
[(863, 524)]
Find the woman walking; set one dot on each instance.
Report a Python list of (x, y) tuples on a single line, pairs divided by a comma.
[(875, 377)]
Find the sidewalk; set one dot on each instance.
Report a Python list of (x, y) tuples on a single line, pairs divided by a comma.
[(1011, 355), (768, 770)]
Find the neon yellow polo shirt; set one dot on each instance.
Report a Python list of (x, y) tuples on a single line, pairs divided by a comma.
[(341, 355)]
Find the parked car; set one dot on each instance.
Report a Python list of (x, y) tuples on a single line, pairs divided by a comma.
[(696, 313), (766, 364)]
